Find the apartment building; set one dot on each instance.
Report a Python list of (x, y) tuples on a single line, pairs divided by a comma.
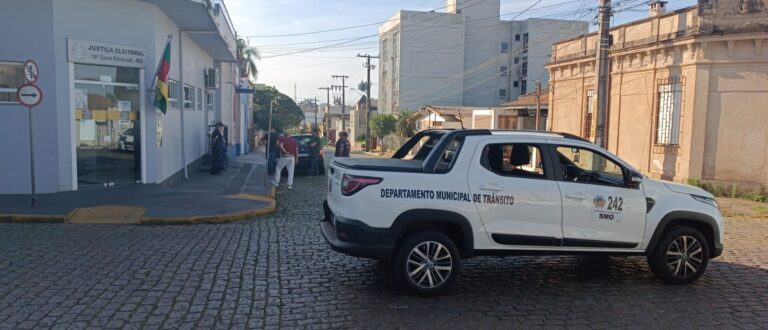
[(465, 56)]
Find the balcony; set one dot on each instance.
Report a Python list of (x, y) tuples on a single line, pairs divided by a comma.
[(206, 22)]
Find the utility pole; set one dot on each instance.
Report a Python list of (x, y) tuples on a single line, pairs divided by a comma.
[(269, 137), (538, 103), (316, 110), (368, 67), (343, 88), (601, 71), (328, 110)]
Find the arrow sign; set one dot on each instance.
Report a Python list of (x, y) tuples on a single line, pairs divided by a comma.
[(29, 95), (30, 71)]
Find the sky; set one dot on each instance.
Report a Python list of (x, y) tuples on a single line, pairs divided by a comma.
[(293, 54)]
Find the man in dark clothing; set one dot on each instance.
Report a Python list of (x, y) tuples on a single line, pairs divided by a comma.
[(343, 146), (315, 148), (271, 138), (217, 144)]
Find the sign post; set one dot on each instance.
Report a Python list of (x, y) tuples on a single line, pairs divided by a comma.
[(30, 95)]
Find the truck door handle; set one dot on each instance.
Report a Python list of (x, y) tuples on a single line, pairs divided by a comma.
[(491, 187), (578, 196)]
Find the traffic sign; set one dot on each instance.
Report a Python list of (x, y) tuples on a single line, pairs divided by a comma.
[(30, 71), (29, 95)]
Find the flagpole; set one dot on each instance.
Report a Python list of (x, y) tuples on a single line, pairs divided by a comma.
[(181, 107)]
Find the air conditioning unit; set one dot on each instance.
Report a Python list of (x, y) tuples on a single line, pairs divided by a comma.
[(212, 78)]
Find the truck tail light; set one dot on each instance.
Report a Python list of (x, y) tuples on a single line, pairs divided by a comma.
[(351, 184)]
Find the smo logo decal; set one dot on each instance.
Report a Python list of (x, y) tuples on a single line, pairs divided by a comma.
[(599, 202)]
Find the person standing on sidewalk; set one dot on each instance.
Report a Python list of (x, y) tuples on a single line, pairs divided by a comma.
[(217, 145), (289, 157), (343, 146), (315, 148)]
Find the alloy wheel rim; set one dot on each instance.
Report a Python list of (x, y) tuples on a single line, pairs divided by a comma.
[(429, 264), (685, 255)]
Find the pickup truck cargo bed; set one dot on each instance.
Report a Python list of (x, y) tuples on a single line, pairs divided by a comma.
[(380, 164)]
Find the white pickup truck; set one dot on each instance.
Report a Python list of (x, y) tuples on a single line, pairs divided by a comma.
[(448, 195)]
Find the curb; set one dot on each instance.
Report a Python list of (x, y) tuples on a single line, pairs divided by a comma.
[(213, 219), (30, 218)]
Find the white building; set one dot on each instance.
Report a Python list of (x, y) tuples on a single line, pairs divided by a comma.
[(96, 125), (466, 56)]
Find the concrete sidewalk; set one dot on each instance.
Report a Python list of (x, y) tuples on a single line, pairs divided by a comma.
[(237, 194)]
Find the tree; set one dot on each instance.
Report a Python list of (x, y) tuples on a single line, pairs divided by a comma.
[(246, 60), (405, 127), (285, 113), (383, 125)]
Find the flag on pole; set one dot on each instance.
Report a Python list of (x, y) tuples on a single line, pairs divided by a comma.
[(161, 82)]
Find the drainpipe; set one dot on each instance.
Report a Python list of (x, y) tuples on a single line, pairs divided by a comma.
[(181, 106)]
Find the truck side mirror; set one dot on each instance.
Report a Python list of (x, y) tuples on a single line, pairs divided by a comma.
[(634, 179)]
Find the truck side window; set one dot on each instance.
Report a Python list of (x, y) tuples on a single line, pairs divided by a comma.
[(448, 157), (586, 166), (513, 159)]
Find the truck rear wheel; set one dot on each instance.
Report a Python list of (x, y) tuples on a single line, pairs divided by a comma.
[(681, 256), (427, 263)]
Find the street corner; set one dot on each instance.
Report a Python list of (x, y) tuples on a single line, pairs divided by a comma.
[(267, 206)]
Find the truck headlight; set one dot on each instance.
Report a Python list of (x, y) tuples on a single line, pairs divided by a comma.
[(707, 200)]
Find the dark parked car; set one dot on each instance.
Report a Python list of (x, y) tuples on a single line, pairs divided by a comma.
[(304, 164)]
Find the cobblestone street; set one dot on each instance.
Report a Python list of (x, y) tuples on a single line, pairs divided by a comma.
[(278, 272)]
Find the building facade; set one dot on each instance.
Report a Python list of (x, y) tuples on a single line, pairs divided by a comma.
[(96, 126), (688, 92), (466, 56)]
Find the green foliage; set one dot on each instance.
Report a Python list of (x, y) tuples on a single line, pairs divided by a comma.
[(405, 128), (383, 125), (246, 60), (360, 138), (285, 113), (760, 195)]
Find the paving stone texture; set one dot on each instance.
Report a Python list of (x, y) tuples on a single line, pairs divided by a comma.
[(277, 272)]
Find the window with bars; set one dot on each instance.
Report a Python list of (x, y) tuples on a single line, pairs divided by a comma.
[(669, 111), (523, 86), (589, 115), (502, 94), (173, 94), (209, 101), (505, 47)]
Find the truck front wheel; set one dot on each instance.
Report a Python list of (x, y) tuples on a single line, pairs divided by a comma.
[(427, 262), (681, 256)]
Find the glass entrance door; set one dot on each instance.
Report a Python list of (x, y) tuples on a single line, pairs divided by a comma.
[(107, 126)]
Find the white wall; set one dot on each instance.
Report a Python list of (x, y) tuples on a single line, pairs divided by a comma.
[(48, 24)]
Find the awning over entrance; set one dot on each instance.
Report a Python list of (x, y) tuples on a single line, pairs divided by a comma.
[(204, 21)]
